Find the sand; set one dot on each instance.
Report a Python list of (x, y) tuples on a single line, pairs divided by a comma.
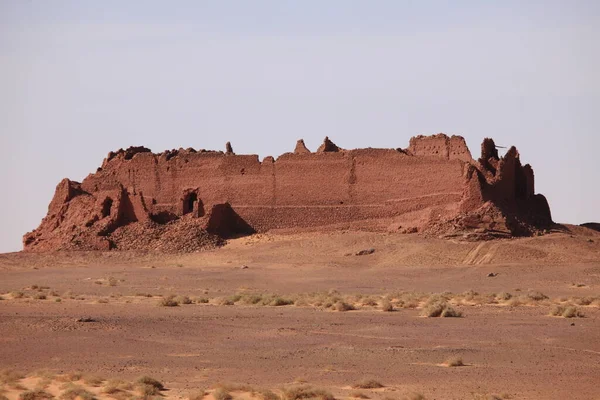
[(509, 349)]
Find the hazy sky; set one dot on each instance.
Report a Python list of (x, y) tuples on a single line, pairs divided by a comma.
[(81, 78)]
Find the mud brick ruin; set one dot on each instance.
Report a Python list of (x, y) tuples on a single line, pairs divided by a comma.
[(188, 200)]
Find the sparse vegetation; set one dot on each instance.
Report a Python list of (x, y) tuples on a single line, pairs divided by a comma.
[(566, 311), (10, 376), (75, 392), (454, 362), (306, 392), (39, 296), (183, 300), (359, 395), (387, 305), (35, 395), (168, 301), (439, 308), (343, 306), (17, 295), (112, 281), (197, 395), (368, 384), (147, 380), (221, 394), (536, 296)]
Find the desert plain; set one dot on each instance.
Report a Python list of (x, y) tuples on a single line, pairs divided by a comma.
[(302, 315)]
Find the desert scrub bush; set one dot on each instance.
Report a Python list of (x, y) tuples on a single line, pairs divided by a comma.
[(306, 392), (221, 394), (266, 394), (503, 296), (343, 306), (567, 311), (183, 300), (40, 296), (369, 302), (102, 301), (387, 305), (35, 395), (278, 301), (168, 301), (536, 296), (454, 362), (92, 380), (17, 295), (251, 299), (359, 395), (439, 309), (367, 384), (582, 301), (147, 380), (202, 300), (112, 281), (414, 396), (10, 376), (75, 392)]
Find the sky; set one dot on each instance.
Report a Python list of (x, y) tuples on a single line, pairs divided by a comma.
[(80, 78)]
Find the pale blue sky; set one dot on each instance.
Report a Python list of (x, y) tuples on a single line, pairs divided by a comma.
[(81, 78)]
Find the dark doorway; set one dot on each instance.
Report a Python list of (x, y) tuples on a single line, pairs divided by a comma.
[(106, 207), (189, 201)]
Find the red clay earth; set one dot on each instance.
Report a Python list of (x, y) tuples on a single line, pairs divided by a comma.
[(188, 200)]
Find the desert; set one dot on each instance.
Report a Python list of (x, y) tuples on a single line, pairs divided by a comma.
[(384, 274)]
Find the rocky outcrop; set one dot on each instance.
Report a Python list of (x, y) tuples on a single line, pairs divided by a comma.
[(190, 200)]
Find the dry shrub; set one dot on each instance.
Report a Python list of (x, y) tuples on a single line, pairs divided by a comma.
[(567, 311), (368, 384), (40, 296), (112, 281), (10, 376), (306, 392), (94, 381), (343, 306), (454, 362), (183, 300), (252, 298), (35, 395), (369, 301), (168, 301), (77, 392), (359, 395), (220, 394), (536, 296), (102, 301), (439, 309), (582, 301), (115, 386), (149, 381), (58, 300), (202, 300), (386, 305), (17, 295), (266, 394), (504, 296)]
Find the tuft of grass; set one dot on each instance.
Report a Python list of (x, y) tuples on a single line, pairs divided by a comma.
[(169, 301), (566, 312), (10, 376), (306, 392), (75, 392), (184, 300), (387, 305), (536, 296), (35, 395), (368, 384), (343, 306), (40, 296), (92, 380), (221, 394), (454, 362), (439, 309), (147, 380)]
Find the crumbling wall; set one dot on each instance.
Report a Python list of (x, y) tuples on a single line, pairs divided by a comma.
[(434, 180)]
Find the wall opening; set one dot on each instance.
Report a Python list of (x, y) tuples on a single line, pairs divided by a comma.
[(106, 207), (189, 201)]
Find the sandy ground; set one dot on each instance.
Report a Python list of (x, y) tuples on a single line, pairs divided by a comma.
[(512, 351)]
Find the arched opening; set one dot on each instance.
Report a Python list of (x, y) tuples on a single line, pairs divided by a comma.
[(106, 207), (189, 201)]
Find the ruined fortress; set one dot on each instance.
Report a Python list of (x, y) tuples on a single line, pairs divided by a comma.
[(188, 200)]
